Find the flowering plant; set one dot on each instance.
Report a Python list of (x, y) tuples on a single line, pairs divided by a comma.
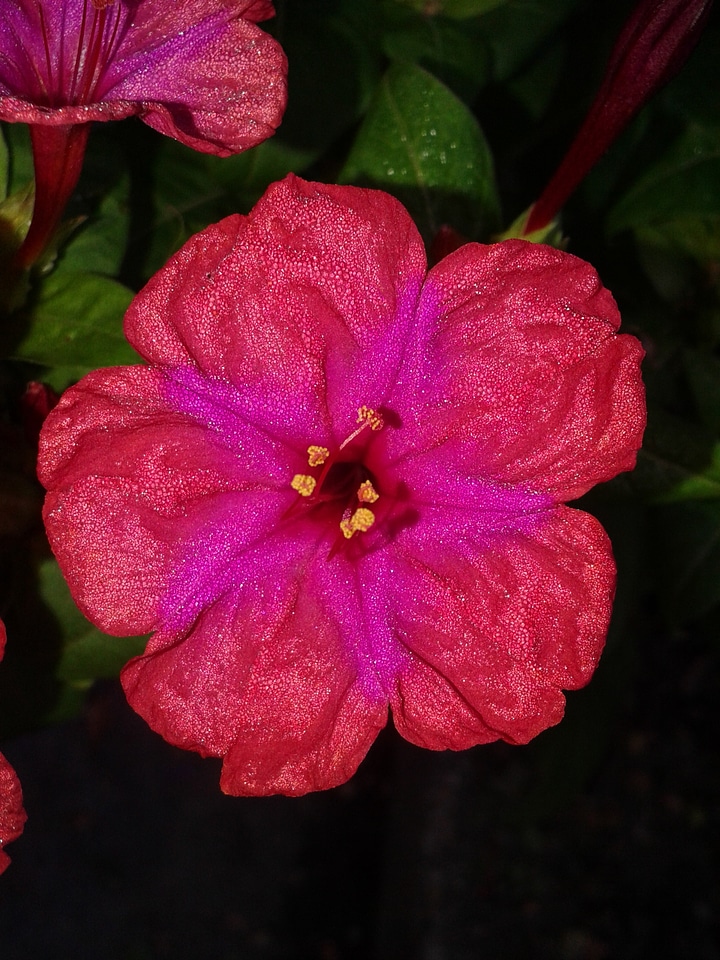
[(338, 486), (346, 490)]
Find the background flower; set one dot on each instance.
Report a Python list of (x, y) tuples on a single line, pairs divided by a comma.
[(12, 814), (219, 496), (199, 71)]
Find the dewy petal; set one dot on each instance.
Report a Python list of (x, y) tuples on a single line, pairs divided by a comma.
[(197, 70), (265, 677), (473, 599), (139, 471), (533, 386), (498, 628), (311, 300), (12, 813), (217, 84)]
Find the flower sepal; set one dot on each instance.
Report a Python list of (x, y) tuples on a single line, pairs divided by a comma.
[(551, 234)]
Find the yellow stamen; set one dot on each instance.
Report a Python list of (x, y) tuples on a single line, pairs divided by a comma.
[(371, 417), (367, 493), (303, 484), (317, 455), (359, 522)]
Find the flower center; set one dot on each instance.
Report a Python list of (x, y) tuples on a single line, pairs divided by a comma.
[(340, 479)]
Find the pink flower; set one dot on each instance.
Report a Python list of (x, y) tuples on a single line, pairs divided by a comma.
[(339, 484), (12, 814), (200, 71)]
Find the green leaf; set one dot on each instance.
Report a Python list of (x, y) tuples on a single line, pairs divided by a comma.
[(334, 68), (422, 144), (679, 460), (17, 138), (98, 245), (87, 652), (77, 323), (676, 203), (514, 31)]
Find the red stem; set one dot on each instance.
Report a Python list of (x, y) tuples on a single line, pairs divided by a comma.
[(58, 153)]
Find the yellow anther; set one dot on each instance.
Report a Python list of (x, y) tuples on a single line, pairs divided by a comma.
[(367, 492), (371, 417), (317, 455), (303, 484), (359, 522)]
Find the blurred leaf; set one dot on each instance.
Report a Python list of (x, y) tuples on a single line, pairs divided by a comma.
[(687, 95), (98, 246), (676, 203), (421, 143), (87, 653), (536, 86), (77, 322), (247, 176), (689, 557), (453, 51), (679, 460), (459, 9)]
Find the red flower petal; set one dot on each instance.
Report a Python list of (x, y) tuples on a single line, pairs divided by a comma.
[(120, 508), (538, 389), (498, 630), (311, 297), (266, 678)]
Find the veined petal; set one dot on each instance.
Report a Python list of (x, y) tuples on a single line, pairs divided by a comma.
[(533, 385), (311, 299), (265, 678), (200, 71), (139, 470), (498, 629)]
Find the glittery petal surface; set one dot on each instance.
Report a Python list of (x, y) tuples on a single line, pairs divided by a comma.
[(128, 473), (264, 677), (532, 386), (310, 300), (498, 627), (200, 71), (215, 81)]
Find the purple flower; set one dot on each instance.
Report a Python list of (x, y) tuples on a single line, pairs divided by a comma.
[(200, 71)]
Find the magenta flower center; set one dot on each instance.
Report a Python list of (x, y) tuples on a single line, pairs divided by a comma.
[(67, 66), (340, 487)]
